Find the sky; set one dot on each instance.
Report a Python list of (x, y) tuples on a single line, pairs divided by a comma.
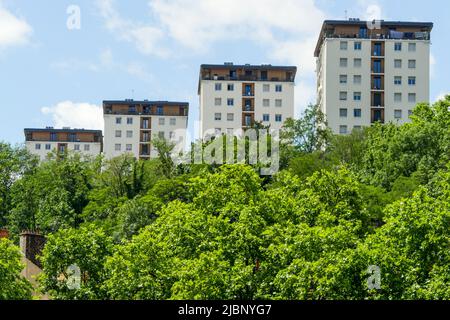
[(60, 59)]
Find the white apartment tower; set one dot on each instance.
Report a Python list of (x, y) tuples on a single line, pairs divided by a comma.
[(131, 125), (371, 72), (41, 142), (234, 97)]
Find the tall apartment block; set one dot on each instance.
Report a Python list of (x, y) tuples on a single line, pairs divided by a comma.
[(371, 72), (131, 125), (43, 141), (233, 97)]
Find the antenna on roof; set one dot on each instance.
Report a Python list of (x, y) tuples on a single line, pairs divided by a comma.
[(132, 94), (346, 14)]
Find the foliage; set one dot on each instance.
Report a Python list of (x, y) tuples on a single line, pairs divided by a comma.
[(86, 248), (12, 285)]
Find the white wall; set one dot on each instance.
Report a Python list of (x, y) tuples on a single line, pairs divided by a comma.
[(208, 94), (94, 148), (329, 85)]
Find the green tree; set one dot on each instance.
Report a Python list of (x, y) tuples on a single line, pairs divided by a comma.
[(12, 285), (87, 248)]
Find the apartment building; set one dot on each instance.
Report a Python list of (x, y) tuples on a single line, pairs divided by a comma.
[(131, 125), (43, 141), (234, 97), (371, 72)]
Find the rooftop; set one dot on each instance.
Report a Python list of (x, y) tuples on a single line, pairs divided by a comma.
[(407, 30), (51, 129), (145, 102)]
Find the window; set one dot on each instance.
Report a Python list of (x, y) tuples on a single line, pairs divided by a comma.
[(230, 102), (278, 118), (357, 128), (397, 63), (357, 45), (266, 103), (218, 131), (217, 116), (266, 117), (48, 146), (357, 96), (357, 63), (72, 137), (129, 120), (412, 47), (161, 135), (173, 121), (398, 46), (53, 136), (118, 134), (159, 110), (87, 147), (278, 103), (132, 109), (412, 81), (230, 116), (343, 113), (171, 135), (343, 95), (129, 134), (218, 101), (343, 62), (278, 88), (397, 114), (230, 131), (377, 83), (397, 97), (411, 97), (377, 66), (411, 64), (410, 112), (218, 87), (230, 87), (37, 146), (357, 113), (343, 79), (357, 79), (397, 80), (118, 147), (129, 147), (266, 87), (343, 129), (76, 147), (344, 45), (161, 121), (145, 123)]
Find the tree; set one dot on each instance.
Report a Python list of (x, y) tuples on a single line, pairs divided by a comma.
[(52, 196), (165, 149), (14, 163), (12, 285), (86, 248), (309, 133)]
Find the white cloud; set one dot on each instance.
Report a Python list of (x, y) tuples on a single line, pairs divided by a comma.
[(75, 115), (197, 24), (432, 65), (146, 38), (441, 96), (14, 31)]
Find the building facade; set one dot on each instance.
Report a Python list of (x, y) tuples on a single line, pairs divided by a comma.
[(41, 142), (234, 97), (370, 72), (131, 125)]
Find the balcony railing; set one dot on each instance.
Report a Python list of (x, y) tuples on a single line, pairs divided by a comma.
[(248, 78), (384, 35)]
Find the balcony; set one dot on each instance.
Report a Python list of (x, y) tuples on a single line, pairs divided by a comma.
[(382, 35)]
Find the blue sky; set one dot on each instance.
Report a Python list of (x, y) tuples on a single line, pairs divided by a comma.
[(51, 75)]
